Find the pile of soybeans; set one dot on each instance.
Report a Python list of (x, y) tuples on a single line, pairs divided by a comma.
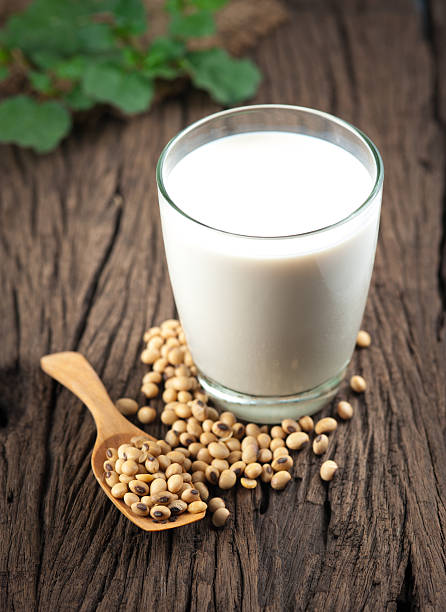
[(164, 478)]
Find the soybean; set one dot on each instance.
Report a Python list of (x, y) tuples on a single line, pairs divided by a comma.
[(276, 443), (129, 467), (221, 429), (228, 418), (140, 509), (150, 389), (119, 490), (146, 415), (126, 406), (297, 440), (220, 517), (326, 425), (277, 432), (227, 479), (328, 470), (173, 468), (215, 503), (175, 483), (250, 454), (282, 451), (248, 483), (358, 384), (280, 480), (159, 513), (157, 485), (344, 410), (220, 464), (265, 455), (139, 487), (212, 474), (282, 463), (177, 507), (320, 444), (306, 423), (164, 498), (267, 473), (253, 470), (111, 454), (196, 507), (238, 467), (190, 495), (363, 339), (218, 450), (289, 426), (203, 490), (130, 498), (111, 478)]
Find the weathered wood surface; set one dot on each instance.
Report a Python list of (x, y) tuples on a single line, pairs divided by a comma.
[(82, 267)]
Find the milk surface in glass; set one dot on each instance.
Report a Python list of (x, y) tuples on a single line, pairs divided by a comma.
[(263, 315)]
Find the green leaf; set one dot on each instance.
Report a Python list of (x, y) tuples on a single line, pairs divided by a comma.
[(130, 57), (130, 16), (162, 58), (40, 81), (78, 100), (70, 69), (4, 56), (28, 123), (228, 80), (209, 5), (45, 59), (129, 91), (4, 73), (174, 6), (164, 49), (94, 38), (60, 28), (192, 26)]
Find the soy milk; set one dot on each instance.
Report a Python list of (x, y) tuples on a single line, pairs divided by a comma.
[(270, 306)]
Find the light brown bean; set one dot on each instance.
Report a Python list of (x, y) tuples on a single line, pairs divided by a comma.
[(297, 440), (328, 470), (326, 425), (227, 479), (280, 480), (344, 410), (220, 516)]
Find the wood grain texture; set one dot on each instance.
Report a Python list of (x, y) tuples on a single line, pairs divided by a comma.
[(83, 269)]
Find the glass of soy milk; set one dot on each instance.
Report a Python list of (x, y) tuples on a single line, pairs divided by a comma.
[(270, 219)]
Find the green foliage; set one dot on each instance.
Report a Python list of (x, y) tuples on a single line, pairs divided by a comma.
[(78, 53), (78, 100), (192, 26), (40, 81), (161, 60), (40, 125), (128, 91), (226, 79)]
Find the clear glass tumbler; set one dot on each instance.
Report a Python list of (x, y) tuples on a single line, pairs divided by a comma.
[(271, 322)]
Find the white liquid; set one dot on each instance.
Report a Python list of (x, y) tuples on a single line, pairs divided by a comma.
[(269, 184), (266, 316)]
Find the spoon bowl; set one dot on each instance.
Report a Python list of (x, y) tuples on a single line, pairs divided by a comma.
[(74, 372)]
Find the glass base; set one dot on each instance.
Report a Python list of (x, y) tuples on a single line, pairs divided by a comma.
[(269, 409)]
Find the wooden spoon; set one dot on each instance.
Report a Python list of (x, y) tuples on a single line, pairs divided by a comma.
[(74, 372)]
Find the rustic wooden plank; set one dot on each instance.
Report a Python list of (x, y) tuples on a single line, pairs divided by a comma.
[(436, 32), (85, 269)]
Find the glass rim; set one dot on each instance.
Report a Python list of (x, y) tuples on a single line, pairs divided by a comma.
[(302, 109)]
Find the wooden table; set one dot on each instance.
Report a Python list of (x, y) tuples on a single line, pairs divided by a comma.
[(82, 268)]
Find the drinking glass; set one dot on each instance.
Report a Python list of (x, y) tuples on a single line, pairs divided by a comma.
[(271, 322)]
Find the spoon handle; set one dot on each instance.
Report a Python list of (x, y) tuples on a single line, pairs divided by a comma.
[(74, 372)]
